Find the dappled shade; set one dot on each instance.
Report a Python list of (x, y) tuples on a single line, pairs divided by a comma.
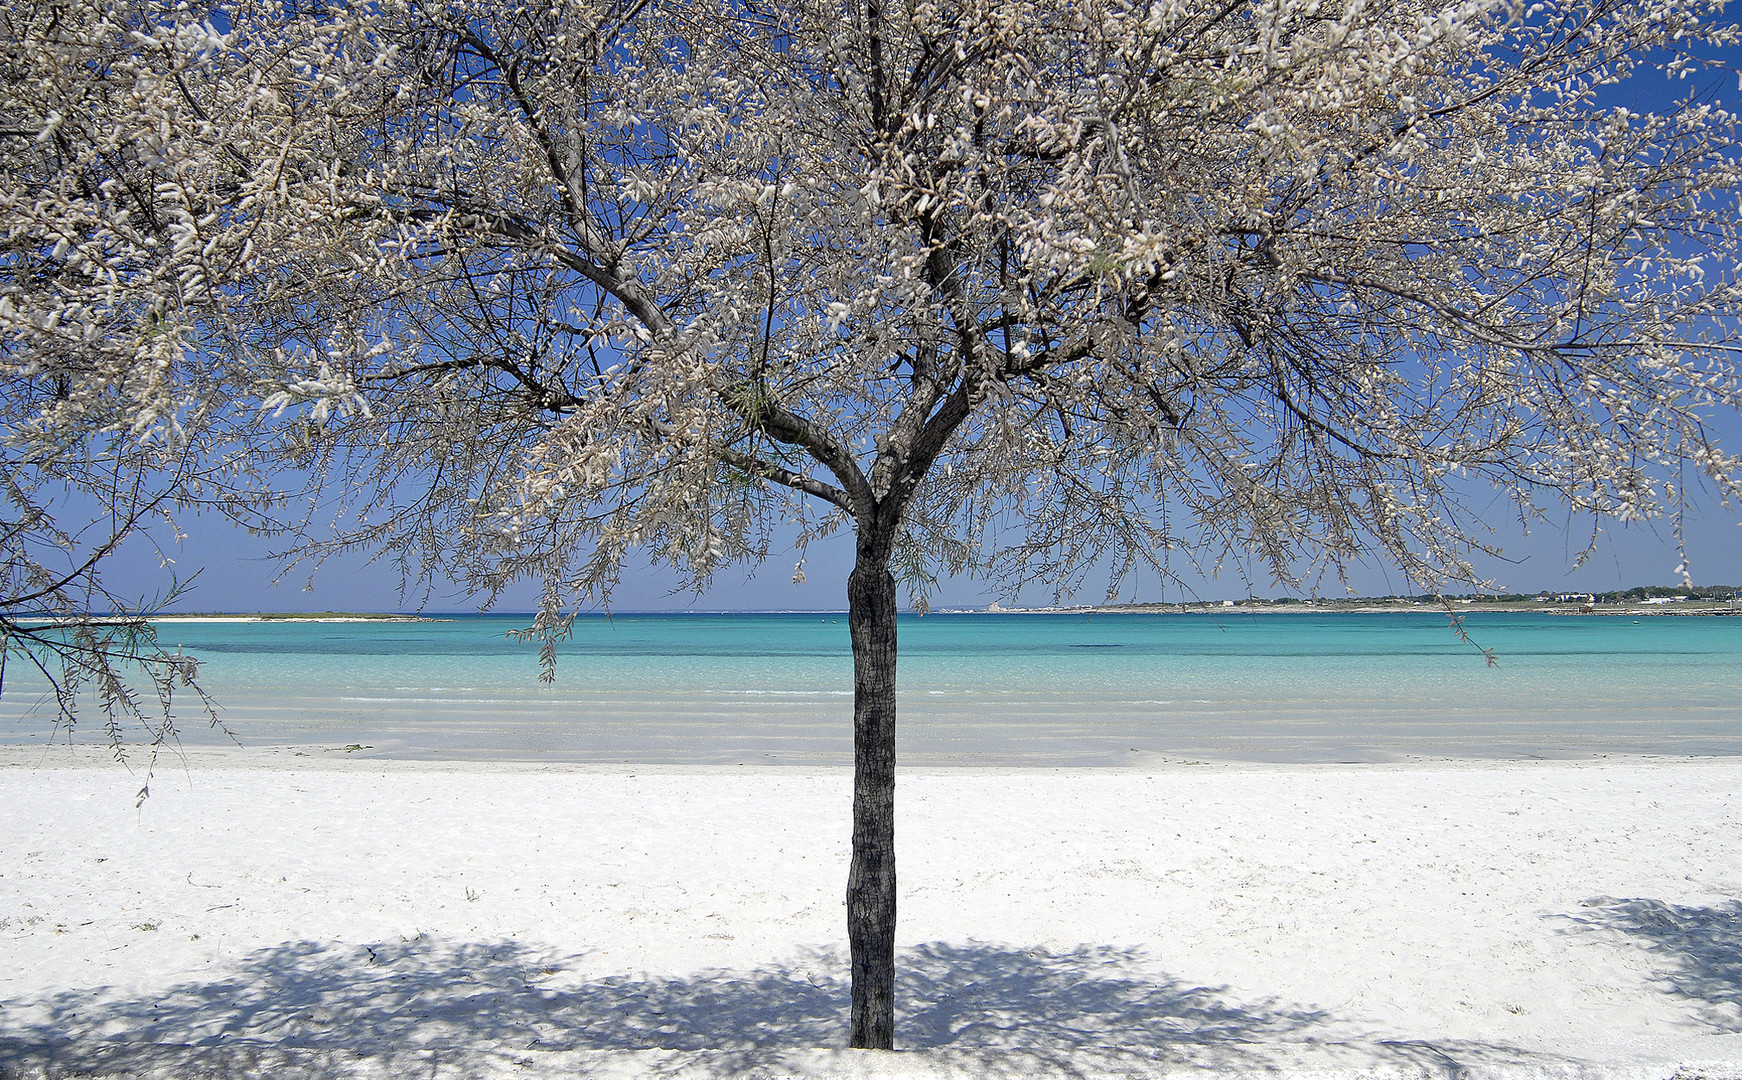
[(433, 993), (1698, 949), (317, 1009)]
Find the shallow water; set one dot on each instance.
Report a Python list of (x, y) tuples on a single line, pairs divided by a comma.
[(974, 689)]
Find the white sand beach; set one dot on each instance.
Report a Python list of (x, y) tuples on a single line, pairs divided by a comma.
[(269, 914)]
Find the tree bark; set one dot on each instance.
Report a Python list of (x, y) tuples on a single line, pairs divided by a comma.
[(871, 881)]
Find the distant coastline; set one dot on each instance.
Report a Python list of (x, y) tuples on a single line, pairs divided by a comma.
[(294, 616), (1339, 606), (1369, 606)]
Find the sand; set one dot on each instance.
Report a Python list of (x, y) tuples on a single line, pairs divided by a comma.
[(268, 914)]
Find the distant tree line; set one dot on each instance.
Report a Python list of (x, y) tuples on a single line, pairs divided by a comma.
[(1636, 594)]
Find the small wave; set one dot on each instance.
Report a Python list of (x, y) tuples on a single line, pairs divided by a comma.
[(787, 693), (440, 701)]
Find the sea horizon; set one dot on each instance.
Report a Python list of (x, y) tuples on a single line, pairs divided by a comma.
[(1289, 606)]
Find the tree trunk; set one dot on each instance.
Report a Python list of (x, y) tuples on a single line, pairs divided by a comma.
[(871, 881)]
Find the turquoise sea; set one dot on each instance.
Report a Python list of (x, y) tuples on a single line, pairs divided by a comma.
[(974, 689)]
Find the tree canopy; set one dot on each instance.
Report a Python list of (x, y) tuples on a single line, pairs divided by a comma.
[(1046, 284)]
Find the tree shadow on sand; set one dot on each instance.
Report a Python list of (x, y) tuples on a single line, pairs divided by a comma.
[(308, 1010), (1699, 949)]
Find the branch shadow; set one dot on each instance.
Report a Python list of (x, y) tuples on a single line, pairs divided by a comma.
[(988, 998), (501, 998), (1699, 948), (427, 1007)]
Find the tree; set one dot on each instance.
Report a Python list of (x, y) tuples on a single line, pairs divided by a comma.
[(1002, 285), (143, 188)]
